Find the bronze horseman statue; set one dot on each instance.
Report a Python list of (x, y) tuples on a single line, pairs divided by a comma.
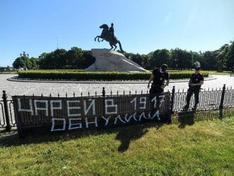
[(108, 35)]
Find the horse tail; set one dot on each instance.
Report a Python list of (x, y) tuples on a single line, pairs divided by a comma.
[(120, 46)]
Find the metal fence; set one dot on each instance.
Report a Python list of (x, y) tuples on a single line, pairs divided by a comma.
[(7, 116), (209, 100), (229, 98)]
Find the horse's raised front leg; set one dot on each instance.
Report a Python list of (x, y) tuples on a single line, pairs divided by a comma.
[(96, 38)]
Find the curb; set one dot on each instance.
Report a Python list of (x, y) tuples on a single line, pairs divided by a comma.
[(16, 79)]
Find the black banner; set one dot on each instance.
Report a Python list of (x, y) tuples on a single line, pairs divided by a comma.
[(65, 114)]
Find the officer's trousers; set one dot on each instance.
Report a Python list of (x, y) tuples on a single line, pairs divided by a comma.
[(189, 95)]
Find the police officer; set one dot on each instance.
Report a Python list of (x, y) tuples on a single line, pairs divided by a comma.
[(195, 84), (160, 78)]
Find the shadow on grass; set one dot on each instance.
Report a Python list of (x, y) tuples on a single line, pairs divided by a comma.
[(185, 118), (125, 137), (123, 134)]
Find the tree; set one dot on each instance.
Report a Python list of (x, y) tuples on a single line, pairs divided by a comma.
[(136, 58), (159, 57), (210, 61), (34, 63), (19, 63), (43, 56), (230, 57), (86, 60), (73, 57), (145, 61), (53, 60), (221, 56), (25, 62), (181, 59)]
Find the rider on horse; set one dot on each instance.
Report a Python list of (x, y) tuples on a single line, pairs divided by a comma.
[(108, 35), (111, 30)]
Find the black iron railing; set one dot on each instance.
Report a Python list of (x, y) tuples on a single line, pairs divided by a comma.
[(209, 100)]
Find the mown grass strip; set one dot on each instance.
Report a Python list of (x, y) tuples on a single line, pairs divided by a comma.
[(204, 148)]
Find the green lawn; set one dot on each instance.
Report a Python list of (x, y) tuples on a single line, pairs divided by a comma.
[(219, 73), (207, 71), (204, 148)]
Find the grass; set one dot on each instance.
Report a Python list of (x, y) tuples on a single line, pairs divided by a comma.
[(219, 73), (204, 148), (210, 72)]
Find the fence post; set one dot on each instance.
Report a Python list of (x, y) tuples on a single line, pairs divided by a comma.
[(103, 103), (172, 99), (4, 97), (221, 102)]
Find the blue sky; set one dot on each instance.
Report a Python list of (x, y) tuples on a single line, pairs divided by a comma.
[(37, 26)]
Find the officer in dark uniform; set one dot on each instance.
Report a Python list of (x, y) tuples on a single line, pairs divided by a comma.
[(160, 79), (195, 84)]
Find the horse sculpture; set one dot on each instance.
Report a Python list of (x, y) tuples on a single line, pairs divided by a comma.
[(108, 36)]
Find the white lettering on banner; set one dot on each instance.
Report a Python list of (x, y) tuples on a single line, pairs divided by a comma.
[(142, 115), (109, 104), (87, 122), (53, 128), (135, 103), (161, 98), (59, 124), (20, 109), (106, 120), (83, 113), (91, 105), (143, 102), (134, 116), (120, 119), (54, 107), (73, 126), (71, 107), (128, 118), (155, 101), (156, 114), (37, 108)]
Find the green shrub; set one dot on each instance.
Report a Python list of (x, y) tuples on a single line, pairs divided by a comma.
[(72, 75)]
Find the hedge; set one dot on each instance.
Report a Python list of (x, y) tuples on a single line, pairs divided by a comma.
[(79, 76)]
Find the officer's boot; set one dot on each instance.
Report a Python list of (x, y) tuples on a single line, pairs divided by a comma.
[(185, 108), (194, 108)]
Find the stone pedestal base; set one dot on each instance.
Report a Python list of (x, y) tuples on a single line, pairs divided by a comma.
[(107, 60)]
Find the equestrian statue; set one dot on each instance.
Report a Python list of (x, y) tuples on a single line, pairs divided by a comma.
[(109, 36)]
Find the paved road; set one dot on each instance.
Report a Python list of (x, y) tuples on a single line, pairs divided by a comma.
[(29, 88)]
